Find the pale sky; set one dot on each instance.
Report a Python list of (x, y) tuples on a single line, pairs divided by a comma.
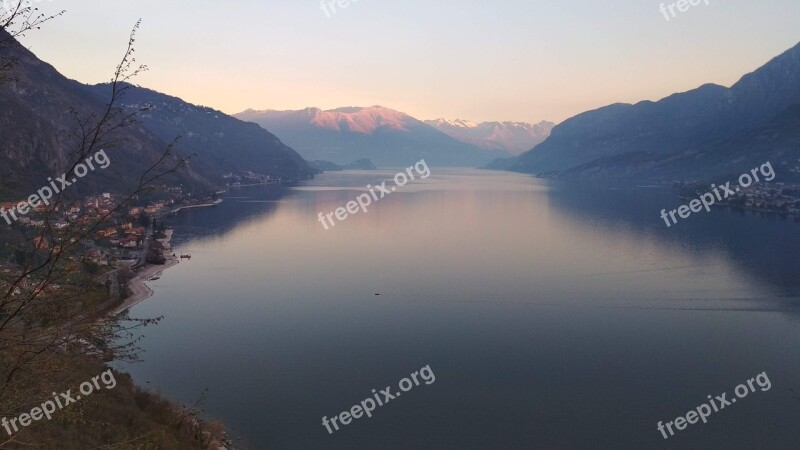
[(523, 60)]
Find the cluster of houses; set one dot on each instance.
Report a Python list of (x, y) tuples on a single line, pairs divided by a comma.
[(151, 209), (123, 236), (123, 233), (120, 239), (91, 208), (780, 198), (247, 177)]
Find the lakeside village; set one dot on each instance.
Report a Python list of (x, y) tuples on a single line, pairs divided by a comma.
[(771, 198), (128, 240), (121, 237)]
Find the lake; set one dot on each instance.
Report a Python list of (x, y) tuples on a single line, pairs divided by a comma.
[(554, 316)]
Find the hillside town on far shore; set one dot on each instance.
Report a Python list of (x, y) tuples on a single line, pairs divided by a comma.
[(772, 198)]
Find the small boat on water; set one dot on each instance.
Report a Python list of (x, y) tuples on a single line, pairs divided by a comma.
[(186, 256), (155, 278)]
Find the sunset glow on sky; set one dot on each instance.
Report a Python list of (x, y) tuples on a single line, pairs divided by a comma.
[(478, 60)]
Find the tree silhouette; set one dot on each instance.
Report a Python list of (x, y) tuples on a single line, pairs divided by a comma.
[(52, 310)]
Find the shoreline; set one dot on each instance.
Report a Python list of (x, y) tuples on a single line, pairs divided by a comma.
[(266, 183), (140, 291), (202, 205)]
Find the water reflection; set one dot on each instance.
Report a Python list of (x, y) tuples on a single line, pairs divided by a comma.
[(553, 316)]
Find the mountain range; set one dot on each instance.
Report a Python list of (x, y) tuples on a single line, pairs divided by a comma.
[(36, 123), (387, 137), (709, 130), (221, 143), (512, 137)]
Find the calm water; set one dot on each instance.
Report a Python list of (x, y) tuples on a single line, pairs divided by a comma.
[(553, 316)]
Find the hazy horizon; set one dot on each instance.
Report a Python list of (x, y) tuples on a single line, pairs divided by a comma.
[(522, 61)]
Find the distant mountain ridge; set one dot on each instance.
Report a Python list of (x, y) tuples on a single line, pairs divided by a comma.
[(220, 142), (387, 137), (777, 141), (619, 134), (36, 121), (35, 124), (512, 137)]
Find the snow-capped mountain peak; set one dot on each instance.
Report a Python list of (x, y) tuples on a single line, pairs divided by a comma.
[(513, 137), (458, 123)]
